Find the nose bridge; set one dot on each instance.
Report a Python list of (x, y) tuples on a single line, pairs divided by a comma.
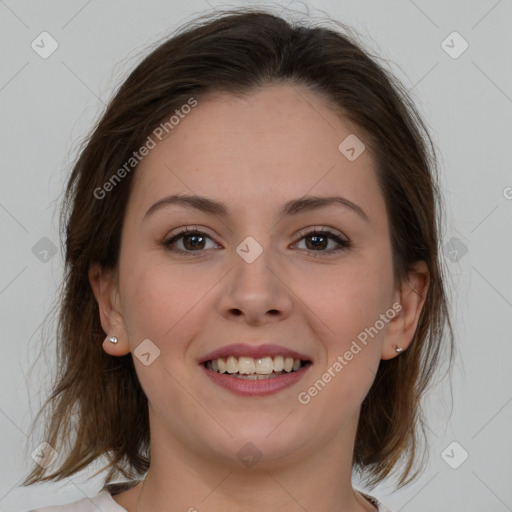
[(253, 263), (255, 287)]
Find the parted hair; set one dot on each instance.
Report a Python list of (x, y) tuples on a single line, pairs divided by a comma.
[(97, 409)]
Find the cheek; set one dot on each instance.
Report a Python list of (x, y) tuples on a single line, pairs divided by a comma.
[(350, 298), (350, 302), (166, 302), (148, 312), (161, 304), (353, 344)]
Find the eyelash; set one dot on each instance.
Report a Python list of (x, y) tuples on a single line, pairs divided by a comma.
[(345, 244)]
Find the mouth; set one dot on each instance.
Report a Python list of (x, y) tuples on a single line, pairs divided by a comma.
[(255, 377), (250, 368)]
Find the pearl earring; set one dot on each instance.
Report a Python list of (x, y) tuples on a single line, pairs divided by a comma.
[(399, 349), (112, 339)]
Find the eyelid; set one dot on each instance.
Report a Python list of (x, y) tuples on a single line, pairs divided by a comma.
[(303, 232), (185, 230), (321, 228)]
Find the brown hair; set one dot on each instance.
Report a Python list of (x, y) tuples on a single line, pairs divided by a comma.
[(99, 397)]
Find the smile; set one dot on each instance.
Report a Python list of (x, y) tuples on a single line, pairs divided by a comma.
[(249, 365), (255, 376)]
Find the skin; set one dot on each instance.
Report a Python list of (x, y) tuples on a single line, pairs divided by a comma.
[(254, 153)]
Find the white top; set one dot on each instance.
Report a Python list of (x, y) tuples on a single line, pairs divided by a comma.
[(104, 502)]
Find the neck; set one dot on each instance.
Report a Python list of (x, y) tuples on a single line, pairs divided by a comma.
[(316, 478)]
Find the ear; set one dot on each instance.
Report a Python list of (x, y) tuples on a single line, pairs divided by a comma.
[(105, 289), (411, 295)]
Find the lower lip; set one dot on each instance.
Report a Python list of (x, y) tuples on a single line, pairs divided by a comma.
[(259, 387)]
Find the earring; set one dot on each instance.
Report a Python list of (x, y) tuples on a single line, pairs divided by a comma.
[(112, 339), (399, 349)]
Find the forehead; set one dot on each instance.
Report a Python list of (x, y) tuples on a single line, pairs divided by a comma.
[(277, 142)]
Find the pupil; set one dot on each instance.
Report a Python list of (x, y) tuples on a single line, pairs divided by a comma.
[(316, 237), (194, 245)]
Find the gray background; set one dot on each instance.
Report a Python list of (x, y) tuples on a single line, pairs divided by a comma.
[(48, 105)]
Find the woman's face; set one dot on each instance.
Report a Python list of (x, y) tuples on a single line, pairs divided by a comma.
[(258, 275)]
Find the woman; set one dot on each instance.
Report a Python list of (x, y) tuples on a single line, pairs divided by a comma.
[(254, 301)]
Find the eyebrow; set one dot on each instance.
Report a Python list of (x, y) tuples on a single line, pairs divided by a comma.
[(290, 208)]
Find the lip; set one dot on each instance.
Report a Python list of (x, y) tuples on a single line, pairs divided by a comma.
[(255, 351), (260, 387)]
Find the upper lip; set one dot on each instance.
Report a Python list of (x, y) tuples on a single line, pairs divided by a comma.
[(254, 351)]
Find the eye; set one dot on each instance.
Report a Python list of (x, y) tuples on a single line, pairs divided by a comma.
[(193, 241), (319, 239)]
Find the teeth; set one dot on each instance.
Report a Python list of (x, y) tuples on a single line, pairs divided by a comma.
[(249, 366), (245, 365), (278, 363), (265, 366), (231, 364)]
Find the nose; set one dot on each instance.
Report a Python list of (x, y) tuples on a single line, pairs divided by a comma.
[(258, 292)]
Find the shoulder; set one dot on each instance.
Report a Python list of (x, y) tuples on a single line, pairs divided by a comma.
[(102, 501)]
